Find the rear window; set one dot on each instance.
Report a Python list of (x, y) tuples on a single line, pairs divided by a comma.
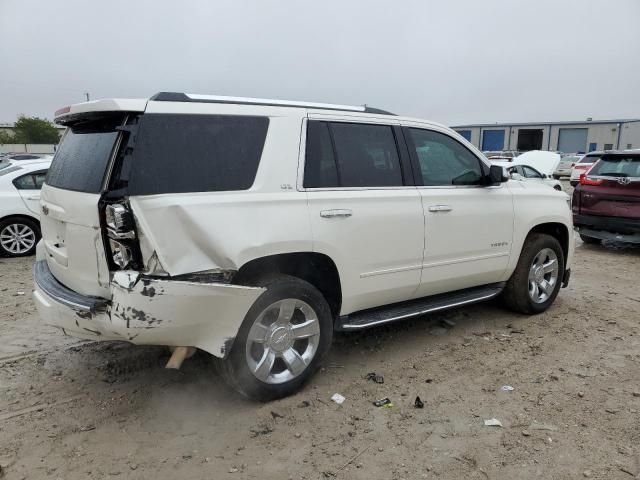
[(196, 153), (590, 159), (617, 167), (81, 160)]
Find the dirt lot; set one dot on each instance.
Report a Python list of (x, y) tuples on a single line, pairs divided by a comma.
[(74, 410)]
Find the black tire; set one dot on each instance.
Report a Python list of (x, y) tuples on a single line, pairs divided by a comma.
[(590, 240), (557, 187), (573, 183), (235, 369), (19, 222), (516, 293)]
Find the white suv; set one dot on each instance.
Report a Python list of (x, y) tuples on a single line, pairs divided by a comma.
[(252, 229)]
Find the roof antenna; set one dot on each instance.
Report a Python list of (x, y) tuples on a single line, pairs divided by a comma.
[(86, 94)]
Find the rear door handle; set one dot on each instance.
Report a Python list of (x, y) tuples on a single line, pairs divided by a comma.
[(440, 208), (34, 197), (340, 212)]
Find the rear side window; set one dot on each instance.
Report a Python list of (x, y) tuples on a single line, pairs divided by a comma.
[(351, 155), (617, 167), (196, 153), (443, 160), (320, 169), (82, 158)]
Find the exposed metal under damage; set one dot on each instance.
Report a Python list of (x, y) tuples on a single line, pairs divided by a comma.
[(152, 311)]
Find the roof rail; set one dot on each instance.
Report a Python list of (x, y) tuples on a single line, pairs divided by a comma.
[(191, 97)]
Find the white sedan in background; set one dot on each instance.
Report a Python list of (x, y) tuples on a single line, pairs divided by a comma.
[(535, 166), (20, 183)]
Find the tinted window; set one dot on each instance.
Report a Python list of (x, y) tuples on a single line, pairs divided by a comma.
[(443, 160), (590, 159), (617, 167), (81, 160), (196, 153), (320, 165), (25, 182), (39, 178), (366, 155), (530, 172)]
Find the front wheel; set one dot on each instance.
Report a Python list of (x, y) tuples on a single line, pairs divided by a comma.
[(536, 280), (282, 340)]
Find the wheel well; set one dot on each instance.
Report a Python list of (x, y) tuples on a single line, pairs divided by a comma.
[(557, 230), (316, 268), (18, 216)]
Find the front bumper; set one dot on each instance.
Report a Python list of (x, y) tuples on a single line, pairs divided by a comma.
[(148, 311)]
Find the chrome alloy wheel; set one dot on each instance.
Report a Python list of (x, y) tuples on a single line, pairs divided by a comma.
[(17, 238), (543, 275), (282, 341)]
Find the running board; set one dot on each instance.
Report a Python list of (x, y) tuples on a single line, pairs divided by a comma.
[(413, 308)]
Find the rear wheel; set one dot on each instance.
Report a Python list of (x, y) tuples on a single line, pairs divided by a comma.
[(282, 340), (536, 280), (18, 237), (590, 240)]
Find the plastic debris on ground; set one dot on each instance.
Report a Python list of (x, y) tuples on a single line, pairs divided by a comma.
[(507, 388), (492, 422), (374, 377), (339, 399), (383, 402), (418, 403)]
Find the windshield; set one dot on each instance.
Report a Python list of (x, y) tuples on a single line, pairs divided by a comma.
[(617, 167), (83, 156)]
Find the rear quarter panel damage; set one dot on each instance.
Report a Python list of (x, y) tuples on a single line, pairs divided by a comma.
[(203, 315)]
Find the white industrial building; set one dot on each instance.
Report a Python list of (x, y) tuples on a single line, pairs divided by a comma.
[(569, 137)]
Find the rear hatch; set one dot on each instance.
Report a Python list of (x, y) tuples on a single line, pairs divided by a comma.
[(70, 219), (612, 187)]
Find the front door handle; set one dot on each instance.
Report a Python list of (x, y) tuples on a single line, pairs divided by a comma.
[(340, 212), (440, 208)]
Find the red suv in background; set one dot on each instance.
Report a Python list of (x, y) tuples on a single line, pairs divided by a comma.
[(606, 203)]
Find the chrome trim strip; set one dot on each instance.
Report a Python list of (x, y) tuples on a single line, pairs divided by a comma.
[(390, 270), (462, 260)]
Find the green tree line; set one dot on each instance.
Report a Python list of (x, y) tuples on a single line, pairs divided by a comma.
[(31, 130)]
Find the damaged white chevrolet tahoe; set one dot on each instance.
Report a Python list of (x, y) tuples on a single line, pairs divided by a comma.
[(254, 229)]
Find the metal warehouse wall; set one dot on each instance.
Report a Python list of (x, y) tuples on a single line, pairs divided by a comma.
[(600, 134)]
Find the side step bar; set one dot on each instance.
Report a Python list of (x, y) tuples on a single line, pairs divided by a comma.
[(413, 308)]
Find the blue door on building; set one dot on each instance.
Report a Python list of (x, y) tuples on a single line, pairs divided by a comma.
[(492, 140), (466, 134), (593, 147)]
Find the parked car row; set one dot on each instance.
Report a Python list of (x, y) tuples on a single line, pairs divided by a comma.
[(535, 166), (20, 184)]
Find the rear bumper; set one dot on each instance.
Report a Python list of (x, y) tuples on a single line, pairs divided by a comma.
[(608, 228), (148, 311)]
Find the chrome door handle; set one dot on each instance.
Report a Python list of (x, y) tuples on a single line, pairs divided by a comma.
[(34, 197), (440, 208), (341, 212)]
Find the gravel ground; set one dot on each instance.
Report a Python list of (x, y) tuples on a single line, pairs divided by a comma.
[(77, 410)]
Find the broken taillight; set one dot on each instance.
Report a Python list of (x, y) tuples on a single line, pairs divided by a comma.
[(121, 233)]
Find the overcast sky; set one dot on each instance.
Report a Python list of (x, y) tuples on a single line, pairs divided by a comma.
[(450, 61)]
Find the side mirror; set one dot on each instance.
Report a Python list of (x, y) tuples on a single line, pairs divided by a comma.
[(496, 175)]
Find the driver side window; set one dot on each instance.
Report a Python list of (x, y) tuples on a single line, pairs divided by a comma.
[(443, 160)]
